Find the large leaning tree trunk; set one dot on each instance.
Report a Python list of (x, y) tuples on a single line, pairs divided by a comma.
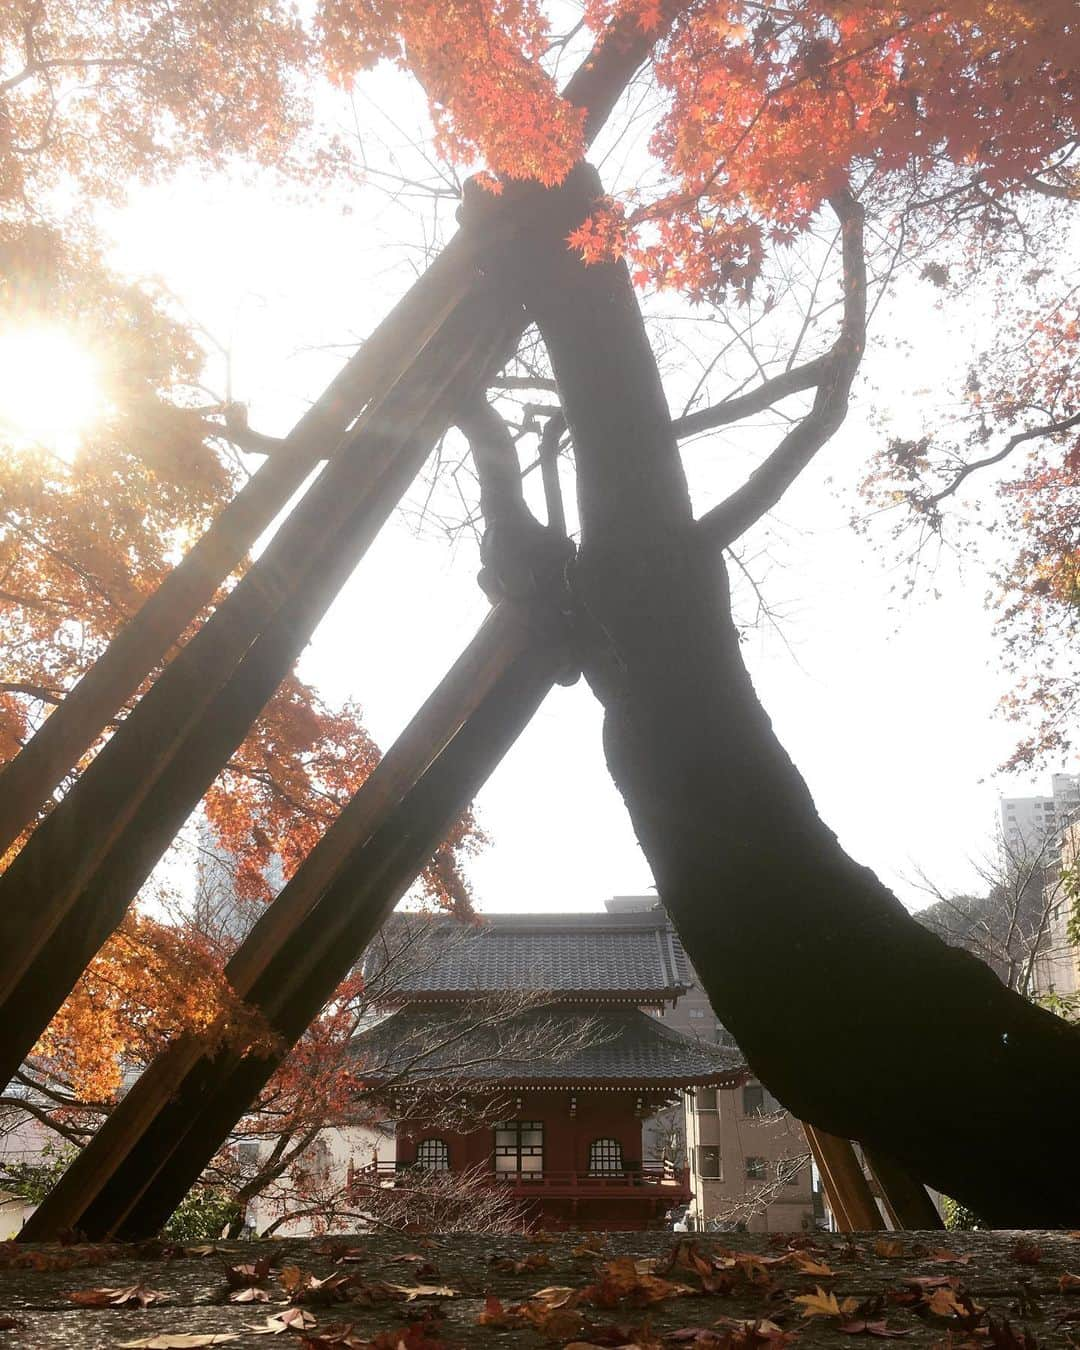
[(858, 1019)]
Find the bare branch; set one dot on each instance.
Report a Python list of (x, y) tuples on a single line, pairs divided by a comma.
[(757, 400), (495, 457), (770, 480), (965, 471)]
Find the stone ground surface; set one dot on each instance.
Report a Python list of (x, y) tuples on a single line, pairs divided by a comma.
[(1005, 1291)]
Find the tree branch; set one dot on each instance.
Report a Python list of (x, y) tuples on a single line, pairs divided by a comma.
[(244, 437), (757, 400), (770, 480), (1033, 433), (521, 558), (495, 457)]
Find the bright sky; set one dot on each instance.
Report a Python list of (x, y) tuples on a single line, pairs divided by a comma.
[(885, 704)]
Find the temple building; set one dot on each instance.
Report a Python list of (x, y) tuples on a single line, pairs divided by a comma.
[(522, 1048)]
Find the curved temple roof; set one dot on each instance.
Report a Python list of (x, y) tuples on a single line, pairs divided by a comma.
[(582, 1047), (623, 957)]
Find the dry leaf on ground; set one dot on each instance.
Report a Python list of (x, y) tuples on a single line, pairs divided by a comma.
[(117, 1298), (862, 1328), (822, 1304), (194, 1340), (289, 1319)]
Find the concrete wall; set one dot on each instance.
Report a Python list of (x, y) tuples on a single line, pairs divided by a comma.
[(765, 1177)]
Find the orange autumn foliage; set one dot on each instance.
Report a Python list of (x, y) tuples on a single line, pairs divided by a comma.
[(149, 983)]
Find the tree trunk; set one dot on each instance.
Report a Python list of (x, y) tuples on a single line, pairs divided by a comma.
[(859, 1020)]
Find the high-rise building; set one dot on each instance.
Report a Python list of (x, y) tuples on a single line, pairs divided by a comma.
[(1040, 834), (1030, 824)]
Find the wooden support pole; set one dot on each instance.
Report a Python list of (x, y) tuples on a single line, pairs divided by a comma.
[(27, 781), (848, 1194), (906, 1200), (68, 891), (144, 643), (185, 1103)]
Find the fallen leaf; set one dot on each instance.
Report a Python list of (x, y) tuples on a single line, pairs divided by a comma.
[(410, 1292), (621, 1279), (252, 1294), (822, 1304), (942, 1256), (188, 1341), (303, 1287), (251, 1273), (290, 1319), (922, 1282), (944, 1303), (534, 1261), (888, 1247), (588, 1247), (416, 1336), (554, 1296), (555, 1324), (869, 1329), (117, 1298), (340, 1336), (754, 1332), (808, 1266), (1026, 1253), (493, 1314), (1069, 1284)]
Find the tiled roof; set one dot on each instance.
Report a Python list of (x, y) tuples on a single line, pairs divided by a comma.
[(582, 1046), (629, 955)]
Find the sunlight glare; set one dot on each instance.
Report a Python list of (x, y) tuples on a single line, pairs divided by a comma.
[(50, 389)]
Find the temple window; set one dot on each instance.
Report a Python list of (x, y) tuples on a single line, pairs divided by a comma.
[(433, 1155), (605, 1157), (519, 1149)]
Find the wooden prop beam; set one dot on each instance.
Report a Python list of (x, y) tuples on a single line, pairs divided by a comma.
[(846, 1188), (71, 885), (907, 1202), (164, 1131), (27, 781)]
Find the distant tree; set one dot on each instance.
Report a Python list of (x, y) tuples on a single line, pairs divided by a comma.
[(1011, 926)]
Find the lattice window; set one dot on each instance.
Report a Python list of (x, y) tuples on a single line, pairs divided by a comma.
[(605, 1157), (433, 1155), (519, 1149)]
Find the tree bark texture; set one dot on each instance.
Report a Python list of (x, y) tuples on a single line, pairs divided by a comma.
[(859, 1020)]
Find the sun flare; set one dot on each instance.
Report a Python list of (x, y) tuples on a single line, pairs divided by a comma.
[(50, 389)]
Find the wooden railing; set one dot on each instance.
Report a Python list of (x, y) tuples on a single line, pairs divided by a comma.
[(671, 1182)]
